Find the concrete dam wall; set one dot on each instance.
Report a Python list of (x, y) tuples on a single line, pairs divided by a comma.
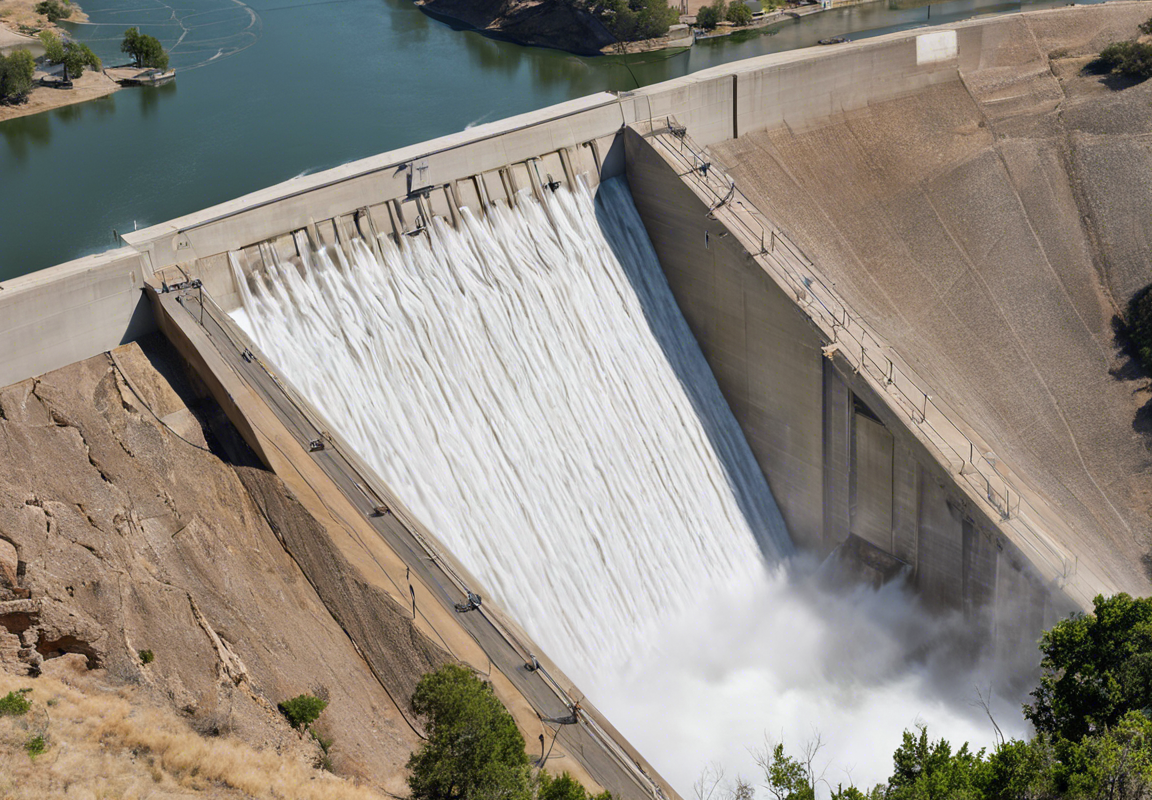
[(846, 461)]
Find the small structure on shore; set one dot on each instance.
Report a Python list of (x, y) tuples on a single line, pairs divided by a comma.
[(140, 76)]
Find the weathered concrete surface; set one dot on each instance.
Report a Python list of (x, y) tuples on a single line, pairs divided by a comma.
[(132, 534), (990, 229), (844, 463)]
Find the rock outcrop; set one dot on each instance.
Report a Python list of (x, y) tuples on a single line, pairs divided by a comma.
[(559, 24), (124, 528)]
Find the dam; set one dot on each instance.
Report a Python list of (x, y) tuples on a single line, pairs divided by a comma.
[(388, 328)]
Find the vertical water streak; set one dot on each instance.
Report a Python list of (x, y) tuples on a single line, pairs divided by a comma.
[(506, 380)]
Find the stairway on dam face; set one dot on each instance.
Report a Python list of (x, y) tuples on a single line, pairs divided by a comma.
[(991, 229)]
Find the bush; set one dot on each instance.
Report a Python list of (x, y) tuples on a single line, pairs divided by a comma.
[(73, 55), (36, 746), (709, 16), (147, 656), (1146, 27), (145, 50), (16, 73), (54, 10), (14, 704), (302, 710), (1130, 59), (474, 750), (635, 20), (739, 13), (1138, 326)]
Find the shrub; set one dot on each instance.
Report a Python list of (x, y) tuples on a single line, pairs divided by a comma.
[(302, 710), (1130, 59), (54, 10), (14, 704), (36, 746), (634, 20), (474, 749), (1146, 27), (73, 55), (16, 73), (1138, 326), (147, 656), (145, 50), (709, 16), (739, 13)]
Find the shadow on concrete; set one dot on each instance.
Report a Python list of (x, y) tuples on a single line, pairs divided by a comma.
[(683, 353), (223, 439), (1114, 81)]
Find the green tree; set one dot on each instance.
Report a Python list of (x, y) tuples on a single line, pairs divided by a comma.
[(302, 710), (73, 55), (1115, 764), (634, 20), (145, 50), (563, 788), (16, 73), (1095, 669), (1138, 326), (739, 13), (710, 15), (54, 10), (925, 770), (474, 750), (1019, 770)]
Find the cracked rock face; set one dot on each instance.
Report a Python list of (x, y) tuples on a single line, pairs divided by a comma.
[(118, 535)]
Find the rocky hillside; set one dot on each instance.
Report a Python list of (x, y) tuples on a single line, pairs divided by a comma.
[(131, 520), (540, 23)]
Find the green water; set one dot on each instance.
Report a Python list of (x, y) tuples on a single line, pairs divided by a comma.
[(272, 89)]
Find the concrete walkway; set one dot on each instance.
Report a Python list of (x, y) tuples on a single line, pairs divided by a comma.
[(279, 424)]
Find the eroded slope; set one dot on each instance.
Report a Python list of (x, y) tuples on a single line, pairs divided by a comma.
[(120, 532)]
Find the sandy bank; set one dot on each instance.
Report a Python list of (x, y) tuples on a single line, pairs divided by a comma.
[(90, 86)]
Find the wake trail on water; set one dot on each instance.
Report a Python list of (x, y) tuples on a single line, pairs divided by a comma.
[(527, 385)]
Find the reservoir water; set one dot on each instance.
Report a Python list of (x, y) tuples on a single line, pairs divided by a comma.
[(269, 89)]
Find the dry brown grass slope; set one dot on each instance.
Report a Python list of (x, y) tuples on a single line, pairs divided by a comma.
[(115, 742)]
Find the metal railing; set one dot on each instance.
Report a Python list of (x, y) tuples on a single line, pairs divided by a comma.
[(850, 337)]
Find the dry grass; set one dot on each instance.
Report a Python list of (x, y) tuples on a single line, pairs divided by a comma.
[(14, 13), (106, 742)]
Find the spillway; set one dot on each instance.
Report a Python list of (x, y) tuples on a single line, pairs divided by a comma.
[(528, 387)]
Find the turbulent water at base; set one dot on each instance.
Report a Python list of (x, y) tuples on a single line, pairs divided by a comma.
[(528, 387)]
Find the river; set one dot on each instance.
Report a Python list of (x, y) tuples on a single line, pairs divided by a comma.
[(270, 89)]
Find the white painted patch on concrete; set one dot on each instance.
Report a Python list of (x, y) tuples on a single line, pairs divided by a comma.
[(934, 47)]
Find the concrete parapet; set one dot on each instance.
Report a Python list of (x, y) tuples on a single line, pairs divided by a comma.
[(389, 192), (57, 316)]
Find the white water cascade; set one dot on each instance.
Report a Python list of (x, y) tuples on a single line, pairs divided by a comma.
[(505, 380), (528, 387)]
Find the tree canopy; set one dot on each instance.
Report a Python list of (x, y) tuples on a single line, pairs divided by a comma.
[(739, 13), (474, 750), (145, 50), (16, 71), (54, 10), (73, 55), (634, 20), (710, 15)]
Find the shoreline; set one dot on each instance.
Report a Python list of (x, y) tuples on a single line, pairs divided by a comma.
[(90, 86)]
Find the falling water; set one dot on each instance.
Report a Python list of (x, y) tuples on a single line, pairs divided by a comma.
[(505, 380), (527, 386)]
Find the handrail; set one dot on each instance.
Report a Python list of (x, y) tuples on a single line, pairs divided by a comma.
[(863, 350)]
